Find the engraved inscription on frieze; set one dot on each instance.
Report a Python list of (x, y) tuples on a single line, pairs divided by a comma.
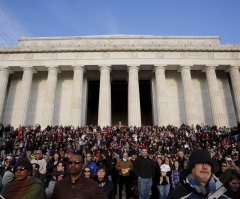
[(53, 55), (104, 54), (233, 55), (211, 55), (159, 54), (78, 55), (28, 56), (184, 54), (4, 56), (133, 54)]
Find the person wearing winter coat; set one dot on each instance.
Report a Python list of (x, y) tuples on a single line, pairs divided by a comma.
[(102, 180), (199, 182)]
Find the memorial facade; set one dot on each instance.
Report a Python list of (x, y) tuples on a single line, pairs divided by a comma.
[(127, 79)]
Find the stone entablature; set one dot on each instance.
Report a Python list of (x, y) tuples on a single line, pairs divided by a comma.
[(119, 49), (120, 43)]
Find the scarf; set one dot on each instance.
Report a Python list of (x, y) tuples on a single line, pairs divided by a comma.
[(199, 188), (27, 189)]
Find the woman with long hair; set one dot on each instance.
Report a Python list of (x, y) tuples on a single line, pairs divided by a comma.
[(175, 175), (87, 172), (231, 180), (52, 165)]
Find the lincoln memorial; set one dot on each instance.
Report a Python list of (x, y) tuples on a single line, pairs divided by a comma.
[(128, 79)]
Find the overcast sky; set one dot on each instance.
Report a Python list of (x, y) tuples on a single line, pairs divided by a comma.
[(49, 18)]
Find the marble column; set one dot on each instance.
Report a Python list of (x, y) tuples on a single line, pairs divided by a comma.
[(4, 75), (215, 98), (84, 101), (162, 99), (104, 106), (77, 93), (235, 79), (154, 101), (189, 99), (21, 115), (134, 108), (49, 99)]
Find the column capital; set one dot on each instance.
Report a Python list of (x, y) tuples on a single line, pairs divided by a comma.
[(182, 67), (159, 66), (232, 67), (208, 67), (7, 69), (105, 67), (133, 66), (56, 68), (80, 67), (30, 68)]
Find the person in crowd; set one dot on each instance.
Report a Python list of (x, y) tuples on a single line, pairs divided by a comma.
[(107, 163), (47, 158), (42, 166), (175, 174), (157, 174), (8, 175), (103, 182), (115, 173), (224, 167), (231, 180), (87, 172), (68, 156), (144, 170), (35, 171), (90, 163), (57, 175), (163, 184), (76, 185), (200, 182), (52, 165), (181, 158), (124, 166), (24, 186)]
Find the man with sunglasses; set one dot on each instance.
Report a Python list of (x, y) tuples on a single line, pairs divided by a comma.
[(76, 185)]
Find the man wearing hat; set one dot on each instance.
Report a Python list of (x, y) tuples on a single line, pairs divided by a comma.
[(199, 181)]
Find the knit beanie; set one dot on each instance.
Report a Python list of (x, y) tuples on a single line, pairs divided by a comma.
[(199, 156), (23, 162)]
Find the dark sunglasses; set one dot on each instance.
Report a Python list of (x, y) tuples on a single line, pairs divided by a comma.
[(20, 169), (86, 171), (75, 162)]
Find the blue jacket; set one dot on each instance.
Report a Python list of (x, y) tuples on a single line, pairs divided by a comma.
[(93, 167)]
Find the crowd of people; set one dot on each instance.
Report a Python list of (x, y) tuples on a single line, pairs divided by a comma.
[(144, 162)]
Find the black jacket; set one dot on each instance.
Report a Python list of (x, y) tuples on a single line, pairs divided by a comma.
[(144, 167), (83, 188), (107, 187)]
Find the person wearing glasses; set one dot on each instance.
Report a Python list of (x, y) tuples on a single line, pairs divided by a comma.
[(224, 167), (90, 163), (199, 182), (88, 172), (24, 186), (76, 185)]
